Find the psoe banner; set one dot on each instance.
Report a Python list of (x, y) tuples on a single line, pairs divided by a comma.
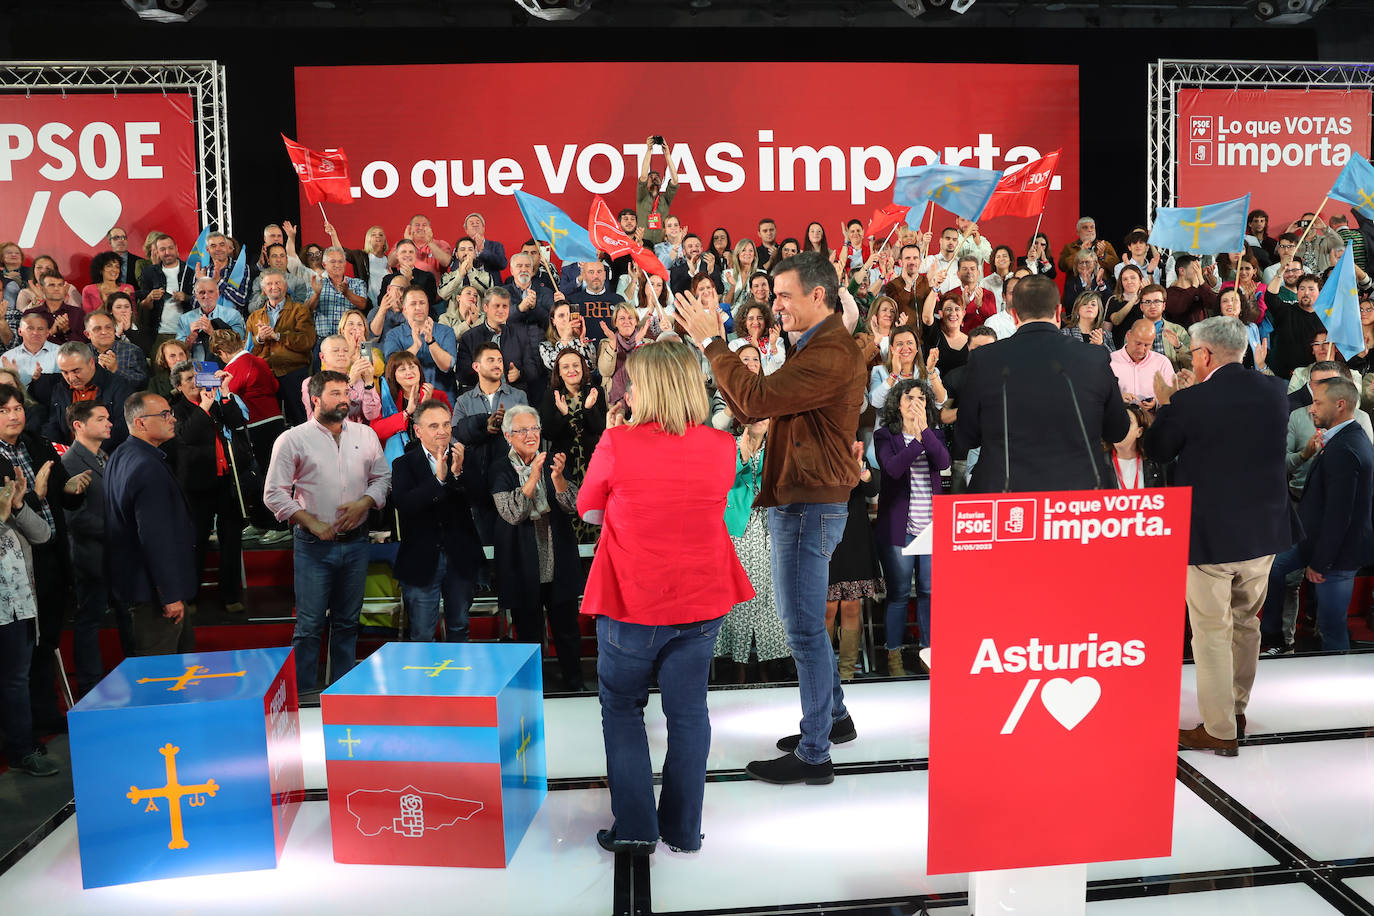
[(463, 137), (1057, 645), (1284, 147), (73, 167)]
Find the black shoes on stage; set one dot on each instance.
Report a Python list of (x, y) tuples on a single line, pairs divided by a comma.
[(841, 732), (791, 769)]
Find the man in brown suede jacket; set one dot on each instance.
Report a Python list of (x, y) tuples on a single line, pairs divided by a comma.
[(809, 468)]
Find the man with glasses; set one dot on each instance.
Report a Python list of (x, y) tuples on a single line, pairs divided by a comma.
[(194, 327), (149, 537), (1171, 340), (326, 475), (83, 379), (1285, 248), (1296, 324), (119, 244)]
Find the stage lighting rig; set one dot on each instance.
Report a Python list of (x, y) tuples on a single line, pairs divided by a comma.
[(166, 10), (918, 8), (1285, 12), (554, 10)]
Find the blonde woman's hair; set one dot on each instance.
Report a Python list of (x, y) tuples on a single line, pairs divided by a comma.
[(669, 388), (1082, 300), (877, 303)]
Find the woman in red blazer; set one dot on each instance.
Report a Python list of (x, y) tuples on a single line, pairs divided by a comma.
[(664, 576)]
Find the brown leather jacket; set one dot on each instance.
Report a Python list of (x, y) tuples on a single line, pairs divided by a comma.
[(814, 401), (296, 332)]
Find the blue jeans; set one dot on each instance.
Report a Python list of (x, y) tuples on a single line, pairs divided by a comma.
[(804, 536), (330, 576), (455, 586), (628, 657), (16, 719), (897, 570), (1333, 600)]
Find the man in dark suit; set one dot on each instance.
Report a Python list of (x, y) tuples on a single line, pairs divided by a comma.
[(1039, 405), (83, 379), (1335, 512), (50, 490), (519, 348), (440, 553), (150, 553), (90, 425), (1228, 437)]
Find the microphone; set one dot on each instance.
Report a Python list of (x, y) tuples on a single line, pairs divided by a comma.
[(1006, 435), (1087, 443)]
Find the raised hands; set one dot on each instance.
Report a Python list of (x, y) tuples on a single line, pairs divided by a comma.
[(494, 421), (560, 461)]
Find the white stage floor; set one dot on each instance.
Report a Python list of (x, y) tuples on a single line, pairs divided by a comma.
[(1289, 797)]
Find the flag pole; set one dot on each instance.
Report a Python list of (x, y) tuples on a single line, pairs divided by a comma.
[(889, 235), (1308, 229), (322, 213), (234, 469)]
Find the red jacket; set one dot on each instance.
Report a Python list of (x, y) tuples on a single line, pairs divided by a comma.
[(982, 307), (664, 556), (253, 380)]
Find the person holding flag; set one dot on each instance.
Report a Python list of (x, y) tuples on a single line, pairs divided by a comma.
[(214, 262)]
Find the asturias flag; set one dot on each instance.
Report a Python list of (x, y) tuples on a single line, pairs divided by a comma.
[(1338, 306), (1355, 186), (961, 190), (606, 235), (240, 270), (569, 241), (1024, 191), (198, 255), (1210, 229), (324, 176)]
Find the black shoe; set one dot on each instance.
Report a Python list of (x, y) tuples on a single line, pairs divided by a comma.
[(36, 764), (841, 732), (606, 839), (790, 769)]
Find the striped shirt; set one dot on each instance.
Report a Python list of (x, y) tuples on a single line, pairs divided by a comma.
[(919, 509)]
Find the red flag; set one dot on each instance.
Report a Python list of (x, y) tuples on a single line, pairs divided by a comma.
[(606, 235), (324, 176), (1023, 192), (885, 219)]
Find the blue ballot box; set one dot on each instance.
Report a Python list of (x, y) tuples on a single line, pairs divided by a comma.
[(434, 754), (186, 765)]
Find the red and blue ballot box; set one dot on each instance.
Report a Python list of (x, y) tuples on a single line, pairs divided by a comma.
[(186, 765), (434, 754)]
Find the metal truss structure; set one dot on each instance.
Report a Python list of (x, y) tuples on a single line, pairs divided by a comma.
[(203, 80), (1167, 77)]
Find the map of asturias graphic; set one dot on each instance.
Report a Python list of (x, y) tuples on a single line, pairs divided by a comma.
[(407, 812)]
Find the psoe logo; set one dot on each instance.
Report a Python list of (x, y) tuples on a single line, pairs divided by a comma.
[(1016, 520), (1200, 127), (974, 521)]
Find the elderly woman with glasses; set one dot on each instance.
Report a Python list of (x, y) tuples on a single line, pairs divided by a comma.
[(535, 559)]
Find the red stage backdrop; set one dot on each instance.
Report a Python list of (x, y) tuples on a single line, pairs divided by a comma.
[(71, 168), (1057, 646), (459, 138), (1284, 147)]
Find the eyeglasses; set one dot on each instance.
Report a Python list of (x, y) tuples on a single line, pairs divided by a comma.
[(163, 415), (1151, 301), (525, 431), (118, 238), (1195, 349)]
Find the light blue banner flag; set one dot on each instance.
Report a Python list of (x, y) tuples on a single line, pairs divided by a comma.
[(569, 241), (240, 269), (961, 190), (1210, 229), (198, 255), (1355, 185), (1338, 306)]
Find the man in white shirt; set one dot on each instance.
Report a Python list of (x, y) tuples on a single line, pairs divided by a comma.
[(161, 287), (973, 244), (945, 260), (35, 354)]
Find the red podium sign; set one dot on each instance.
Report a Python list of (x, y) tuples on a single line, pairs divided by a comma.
[(1057, 640)]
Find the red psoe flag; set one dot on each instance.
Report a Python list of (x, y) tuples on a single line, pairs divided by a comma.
[(1023, 192), (883, 220), (607, 236), (324, 176)]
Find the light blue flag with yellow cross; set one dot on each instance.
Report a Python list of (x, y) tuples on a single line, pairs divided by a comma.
[(1338, 306), (1209, 229), (569, 241), (1355, 185), (961, 190)]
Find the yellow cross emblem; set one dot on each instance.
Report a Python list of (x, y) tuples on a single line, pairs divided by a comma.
[(1197, 225), (554, 232), (522, 752), (351, 742), (193, 676), (1366, 201), (948, 185), (173, 792), (435, 671)]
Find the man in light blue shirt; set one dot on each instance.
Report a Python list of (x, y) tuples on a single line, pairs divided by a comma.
[(211, 314), (34, 352)]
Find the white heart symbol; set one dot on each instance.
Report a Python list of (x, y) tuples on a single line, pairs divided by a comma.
[(90, 217), (1070, 701)]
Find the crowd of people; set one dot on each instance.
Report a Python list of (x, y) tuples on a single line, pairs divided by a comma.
[(456, 394)]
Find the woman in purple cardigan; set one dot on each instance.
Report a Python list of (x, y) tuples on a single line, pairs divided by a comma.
[(911, 454)]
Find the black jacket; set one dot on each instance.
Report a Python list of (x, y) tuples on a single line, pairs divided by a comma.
[(518, 346), (1290, 345), (192, 452), (1229, 436), (40, 453), (86, 523), (1337, 503), (113, 391), (1043, 373), (149, 536), (433, 516), (516, 555)]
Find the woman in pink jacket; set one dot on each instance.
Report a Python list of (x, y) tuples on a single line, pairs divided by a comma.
[(664, 577)]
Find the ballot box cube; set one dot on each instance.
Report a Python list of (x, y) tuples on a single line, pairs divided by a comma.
[(434, 754), (186, 765)]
